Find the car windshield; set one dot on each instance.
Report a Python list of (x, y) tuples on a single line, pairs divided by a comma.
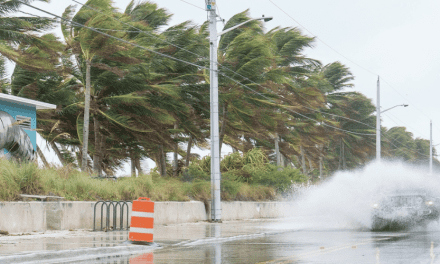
[(406, 200)]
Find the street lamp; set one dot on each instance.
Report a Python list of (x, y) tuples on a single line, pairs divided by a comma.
[(404, 105), (216, 213), (378, 112)]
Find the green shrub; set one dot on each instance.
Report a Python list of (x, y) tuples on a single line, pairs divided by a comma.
[(279, 179), (193, 172)]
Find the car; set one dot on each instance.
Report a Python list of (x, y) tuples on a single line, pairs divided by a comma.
[(402, 210)]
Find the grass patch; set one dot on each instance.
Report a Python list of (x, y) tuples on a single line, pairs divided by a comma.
[(27, 178)]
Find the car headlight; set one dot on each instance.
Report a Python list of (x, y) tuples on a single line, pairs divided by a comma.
[(375, 205), (429, 203)]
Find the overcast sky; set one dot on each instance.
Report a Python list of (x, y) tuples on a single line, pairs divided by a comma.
[(396, 39)]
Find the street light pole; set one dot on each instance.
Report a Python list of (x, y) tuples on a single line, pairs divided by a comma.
[(378, 112), (378, 122), (216, 210)]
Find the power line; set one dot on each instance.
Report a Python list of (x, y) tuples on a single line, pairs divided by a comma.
[(199, 66), (391, 142), (200, 56), (139, 30), (110, 36), (403, 123), (337, 128), (350, 60), (321, 39), (404, 98), (347, 131), (190, 63), (193, 5), (218, 64)]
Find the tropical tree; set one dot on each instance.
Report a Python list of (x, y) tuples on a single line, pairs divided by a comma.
[(352, 111), (20, 39), (4, 83)]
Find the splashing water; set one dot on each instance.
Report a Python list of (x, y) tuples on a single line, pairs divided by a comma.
[(345, 201)]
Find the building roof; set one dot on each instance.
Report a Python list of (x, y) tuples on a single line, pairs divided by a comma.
[(20, 100)]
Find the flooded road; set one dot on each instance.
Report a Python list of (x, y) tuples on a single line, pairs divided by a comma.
[(313, 247), (246, 242), (258, 242)]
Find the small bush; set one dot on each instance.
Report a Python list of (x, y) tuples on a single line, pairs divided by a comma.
[(193, 172), (279, 179)]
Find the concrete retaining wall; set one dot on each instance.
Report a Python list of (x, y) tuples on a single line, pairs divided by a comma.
[(21, 217)]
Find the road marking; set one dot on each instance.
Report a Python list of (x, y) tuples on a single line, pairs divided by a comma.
[(323, 251)]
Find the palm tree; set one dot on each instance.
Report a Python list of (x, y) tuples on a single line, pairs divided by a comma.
[(20, 40), (90, 49), (4, 84), (352, 111)]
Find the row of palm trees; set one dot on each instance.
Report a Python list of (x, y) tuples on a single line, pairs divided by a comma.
[(117, 101)]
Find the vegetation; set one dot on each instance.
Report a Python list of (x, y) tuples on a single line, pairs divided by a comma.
[(75, 185), (118, 103)]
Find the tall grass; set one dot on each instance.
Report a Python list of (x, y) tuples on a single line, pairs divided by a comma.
[(27, 178)]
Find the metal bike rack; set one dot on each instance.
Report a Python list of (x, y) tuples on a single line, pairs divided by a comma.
[(113, 207)]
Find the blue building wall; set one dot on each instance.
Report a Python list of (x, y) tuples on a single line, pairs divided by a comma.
[(15, 109)]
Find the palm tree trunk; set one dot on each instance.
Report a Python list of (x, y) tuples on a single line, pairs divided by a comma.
[(137, 163), (176, 147), (223, 130), (102, 156), (303, 160), (188, 151), (344, 165), (320, 147), (158, 160), (57, 152), (340, 155), (277, 150), (133, 165), (97, 154), (320, 167), (43, 158), (163, 162), (310, 165), (86, 118)]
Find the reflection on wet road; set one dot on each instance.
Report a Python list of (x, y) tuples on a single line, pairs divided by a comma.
[(258, 242)]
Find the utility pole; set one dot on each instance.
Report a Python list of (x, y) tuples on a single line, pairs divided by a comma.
[(216, 210), (378, 122), (430, 148)]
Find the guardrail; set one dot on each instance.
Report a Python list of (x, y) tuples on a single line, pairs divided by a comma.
[(111, 208)]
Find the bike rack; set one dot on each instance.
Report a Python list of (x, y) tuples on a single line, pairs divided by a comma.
[(114, 206)]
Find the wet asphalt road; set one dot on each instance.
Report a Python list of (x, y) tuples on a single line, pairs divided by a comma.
[(257, 242), (319, 246), (266, 242)]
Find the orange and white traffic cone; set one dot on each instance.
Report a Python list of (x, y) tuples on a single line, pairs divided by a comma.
[(142, 220)]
